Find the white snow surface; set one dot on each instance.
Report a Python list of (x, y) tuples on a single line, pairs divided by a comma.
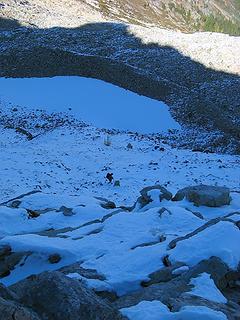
[(205, 287), (156, 310)]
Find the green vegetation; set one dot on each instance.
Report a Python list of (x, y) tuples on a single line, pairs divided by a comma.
[(103, 7), (211, 23), (220, 24)]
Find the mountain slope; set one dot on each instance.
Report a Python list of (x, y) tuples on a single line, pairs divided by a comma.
[(187, 15)]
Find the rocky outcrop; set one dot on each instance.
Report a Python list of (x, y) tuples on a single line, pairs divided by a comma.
[(176, 292), (10, 308), (203, 195), (70, 299)]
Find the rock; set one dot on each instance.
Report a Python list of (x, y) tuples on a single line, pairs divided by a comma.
[(162, 275), (166, 261), (54, 258), (129, 146), (210, 196), (7, 294), (11, 309), (117, 183), (106, 204), (5, 251), (86, 273), (56, 297), (175, 292), (68, 212), (15, 204), (33, 214), (145, 198), (214, 266), (9, 261), (24, 132)]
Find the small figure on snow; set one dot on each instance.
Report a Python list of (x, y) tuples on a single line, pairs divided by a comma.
[(109, 177)]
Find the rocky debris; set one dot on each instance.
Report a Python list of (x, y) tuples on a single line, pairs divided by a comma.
[(70, 299), (204, 195), (145, 198)]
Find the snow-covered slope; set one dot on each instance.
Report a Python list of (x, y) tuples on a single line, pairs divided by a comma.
[(55, 210)]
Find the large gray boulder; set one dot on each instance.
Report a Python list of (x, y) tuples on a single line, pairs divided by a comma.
[(56, 297), (204, 195)]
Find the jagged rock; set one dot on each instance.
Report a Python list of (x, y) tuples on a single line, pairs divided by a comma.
[(11, 309), (210, 196), (145, 198), (7, 294), (57, 297)]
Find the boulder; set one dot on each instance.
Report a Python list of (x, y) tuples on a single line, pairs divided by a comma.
[(56, 297), (204, 195), (54, 258), (10, 308), (106, 204)]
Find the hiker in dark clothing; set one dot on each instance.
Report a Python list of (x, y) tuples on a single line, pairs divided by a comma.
[(109, 177)]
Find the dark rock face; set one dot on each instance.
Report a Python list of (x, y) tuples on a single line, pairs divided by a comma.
[(9, 259), (54, 296), (204, 195), (11, 309)]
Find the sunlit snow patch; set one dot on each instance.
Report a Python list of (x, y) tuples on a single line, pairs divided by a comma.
[(94, 101)]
